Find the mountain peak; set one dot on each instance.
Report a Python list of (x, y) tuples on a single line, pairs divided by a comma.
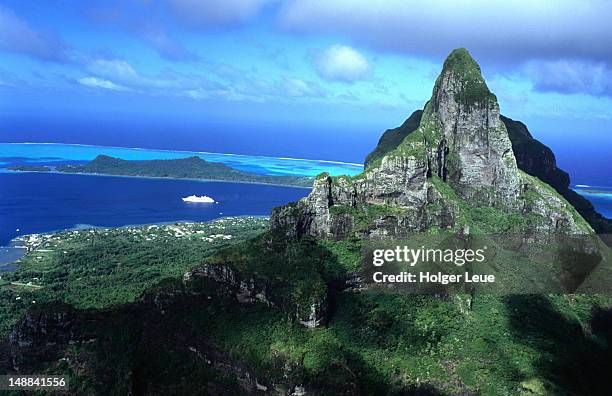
[(462, 78), (460, 60), (442, 170)]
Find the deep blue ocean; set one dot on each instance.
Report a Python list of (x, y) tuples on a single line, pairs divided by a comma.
[(33, 203), (38, 202), (42, 202)]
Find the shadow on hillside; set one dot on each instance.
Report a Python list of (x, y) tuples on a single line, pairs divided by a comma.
[(423, 390), (577, 361)]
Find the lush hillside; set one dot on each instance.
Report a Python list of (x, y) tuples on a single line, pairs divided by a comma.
[(100, 268), (184, 168), (393, 137), (235, 332)]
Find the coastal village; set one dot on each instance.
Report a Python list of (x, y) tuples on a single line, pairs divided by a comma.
[(44, 243), (46, 247)]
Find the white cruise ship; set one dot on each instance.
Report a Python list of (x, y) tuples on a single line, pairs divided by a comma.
[(199, 199)]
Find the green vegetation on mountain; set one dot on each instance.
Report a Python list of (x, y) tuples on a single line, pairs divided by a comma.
[(374, 343), (296, 275), (464, 68), (393, 137)]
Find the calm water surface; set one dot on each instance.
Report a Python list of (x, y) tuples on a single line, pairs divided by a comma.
[(38, 202)]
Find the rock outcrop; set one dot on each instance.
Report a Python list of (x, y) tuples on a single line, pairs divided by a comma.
[(539, 160), (460, 157), (392, 138), (532, 157), (472, 148), (79, 339), (36, 336), (247, 290)]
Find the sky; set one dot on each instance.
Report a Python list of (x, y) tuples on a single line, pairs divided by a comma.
[(276, 72)]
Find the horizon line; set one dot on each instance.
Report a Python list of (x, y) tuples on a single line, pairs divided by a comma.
[(189, 151)]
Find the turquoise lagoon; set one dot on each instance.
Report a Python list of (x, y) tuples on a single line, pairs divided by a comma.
[(50, 153)]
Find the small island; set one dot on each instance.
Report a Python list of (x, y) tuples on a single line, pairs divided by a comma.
[(30, 168), (182, 168)]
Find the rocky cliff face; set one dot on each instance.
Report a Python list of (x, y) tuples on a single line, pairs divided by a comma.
[(459, 158), (538, 160), (132, 337), (531, 155), (472, 148), (247, 290)]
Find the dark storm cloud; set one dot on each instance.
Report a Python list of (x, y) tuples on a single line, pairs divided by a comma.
[(495, 31), (563, 46), (571, 77)]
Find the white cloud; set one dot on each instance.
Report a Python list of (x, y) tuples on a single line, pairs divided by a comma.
[(236, 85), (95, 82), (122, 72), (223, 94), (342, 63), (119, 74), (197, 93), (115, 69), (299, 88)]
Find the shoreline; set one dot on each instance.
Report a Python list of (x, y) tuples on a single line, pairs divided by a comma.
[(590, 191), (602, 195), (24, 247), (7, 260), (4, 170)]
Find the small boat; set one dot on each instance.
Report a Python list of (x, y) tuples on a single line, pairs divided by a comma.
[(199, 199)]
